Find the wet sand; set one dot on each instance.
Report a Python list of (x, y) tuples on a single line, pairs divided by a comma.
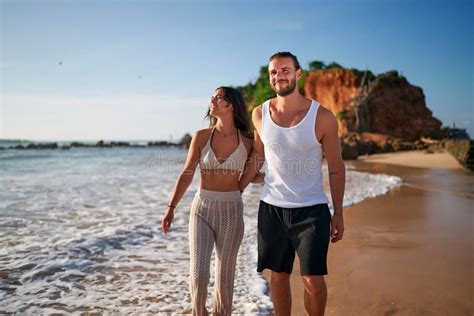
[(409, 252)]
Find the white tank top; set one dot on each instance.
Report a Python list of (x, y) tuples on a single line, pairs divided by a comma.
[(293, 158)]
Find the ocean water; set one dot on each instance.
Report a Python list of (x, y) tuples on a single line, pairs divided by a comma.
[(80, 232)]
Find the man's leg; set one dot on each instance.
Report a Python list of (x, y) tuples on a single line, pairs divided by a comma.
[(315, 294), (276, 253), (281, 293), (312, 243)]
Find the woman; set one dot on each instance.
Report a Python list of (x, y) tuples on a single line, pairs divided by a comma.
[(217, 210)]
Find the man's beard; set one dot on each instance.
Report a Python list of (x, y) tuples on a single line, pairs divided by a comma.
[(283, 92)]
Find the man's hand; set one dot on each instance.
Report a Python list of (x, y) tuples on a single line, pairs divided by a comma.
[(337, 227)]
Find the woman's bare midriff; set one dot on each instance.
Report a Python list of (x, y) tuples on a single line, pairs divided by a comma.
[(220, 180)]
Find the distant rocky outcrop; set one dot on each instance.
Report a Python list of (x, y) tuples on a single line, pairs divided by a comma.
[(455, 133), (101, 143), (384, 104), (461, 149), (186, 140), (184, 143), (36, 146)]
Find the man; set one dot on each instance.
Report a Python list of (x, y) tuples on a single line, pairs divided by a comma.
[(291, 135)]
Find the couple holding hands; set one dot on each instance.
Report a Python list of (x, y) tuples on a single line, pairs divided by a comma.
[(291, 135)]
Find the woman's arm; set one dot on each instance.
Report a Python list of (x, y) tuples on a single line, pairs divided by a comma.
[(249, 146), (184, 180), (257, 156)]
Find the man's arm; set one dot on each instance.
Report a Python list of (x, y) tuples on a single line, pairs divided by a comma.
[(257, 157), (327, 125)]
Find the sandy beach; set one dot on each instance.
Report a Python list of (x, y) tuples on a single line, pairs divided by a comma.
[(409, 252)]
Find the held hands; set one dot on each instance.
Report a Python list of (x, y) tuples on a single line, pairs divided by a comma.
[(259, 178), (167, 220), (337, 227)]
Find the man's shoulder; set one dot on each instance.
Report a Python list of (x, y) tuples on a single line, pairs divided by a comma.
[(259, 108), (257, 112), (325, 113), (325, 118)]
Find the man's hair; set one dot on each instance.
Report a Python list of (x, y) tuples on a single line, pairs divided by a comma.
[(286, 55)]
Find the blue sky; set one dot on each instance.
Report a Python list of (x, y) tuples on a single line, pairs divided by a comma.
[(88, 70)]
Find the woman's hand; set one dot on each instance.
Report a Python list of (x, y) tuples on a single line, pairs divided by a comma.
[(167, 220)]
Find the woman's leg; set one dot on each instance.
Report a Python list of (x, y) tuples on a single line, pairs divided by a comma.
[(229, 233), (201, 242)]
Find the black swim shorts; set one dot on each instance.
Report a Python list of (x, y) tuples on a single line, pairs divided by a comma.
[(281, 231)]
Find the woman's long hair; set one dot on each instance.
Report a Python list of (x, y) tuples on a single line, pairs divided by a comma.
[(241, 120)]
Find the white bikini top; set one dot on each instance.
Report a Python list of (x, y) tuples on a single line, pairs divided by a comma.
[(236, 160)]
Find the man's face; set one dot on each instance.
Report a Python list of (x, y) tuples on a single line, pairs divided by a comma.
[(283, 76)]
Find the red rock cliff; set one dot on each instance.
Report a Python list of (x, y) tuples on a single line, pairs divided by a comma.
[(386, 104)]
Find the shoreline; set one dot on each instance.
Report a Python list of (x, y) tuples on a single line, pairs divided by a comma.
[(415, 159), (406, 252)]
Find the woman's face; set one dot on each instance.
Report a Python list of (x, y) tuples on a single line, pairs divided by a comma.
[(219, 106)]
